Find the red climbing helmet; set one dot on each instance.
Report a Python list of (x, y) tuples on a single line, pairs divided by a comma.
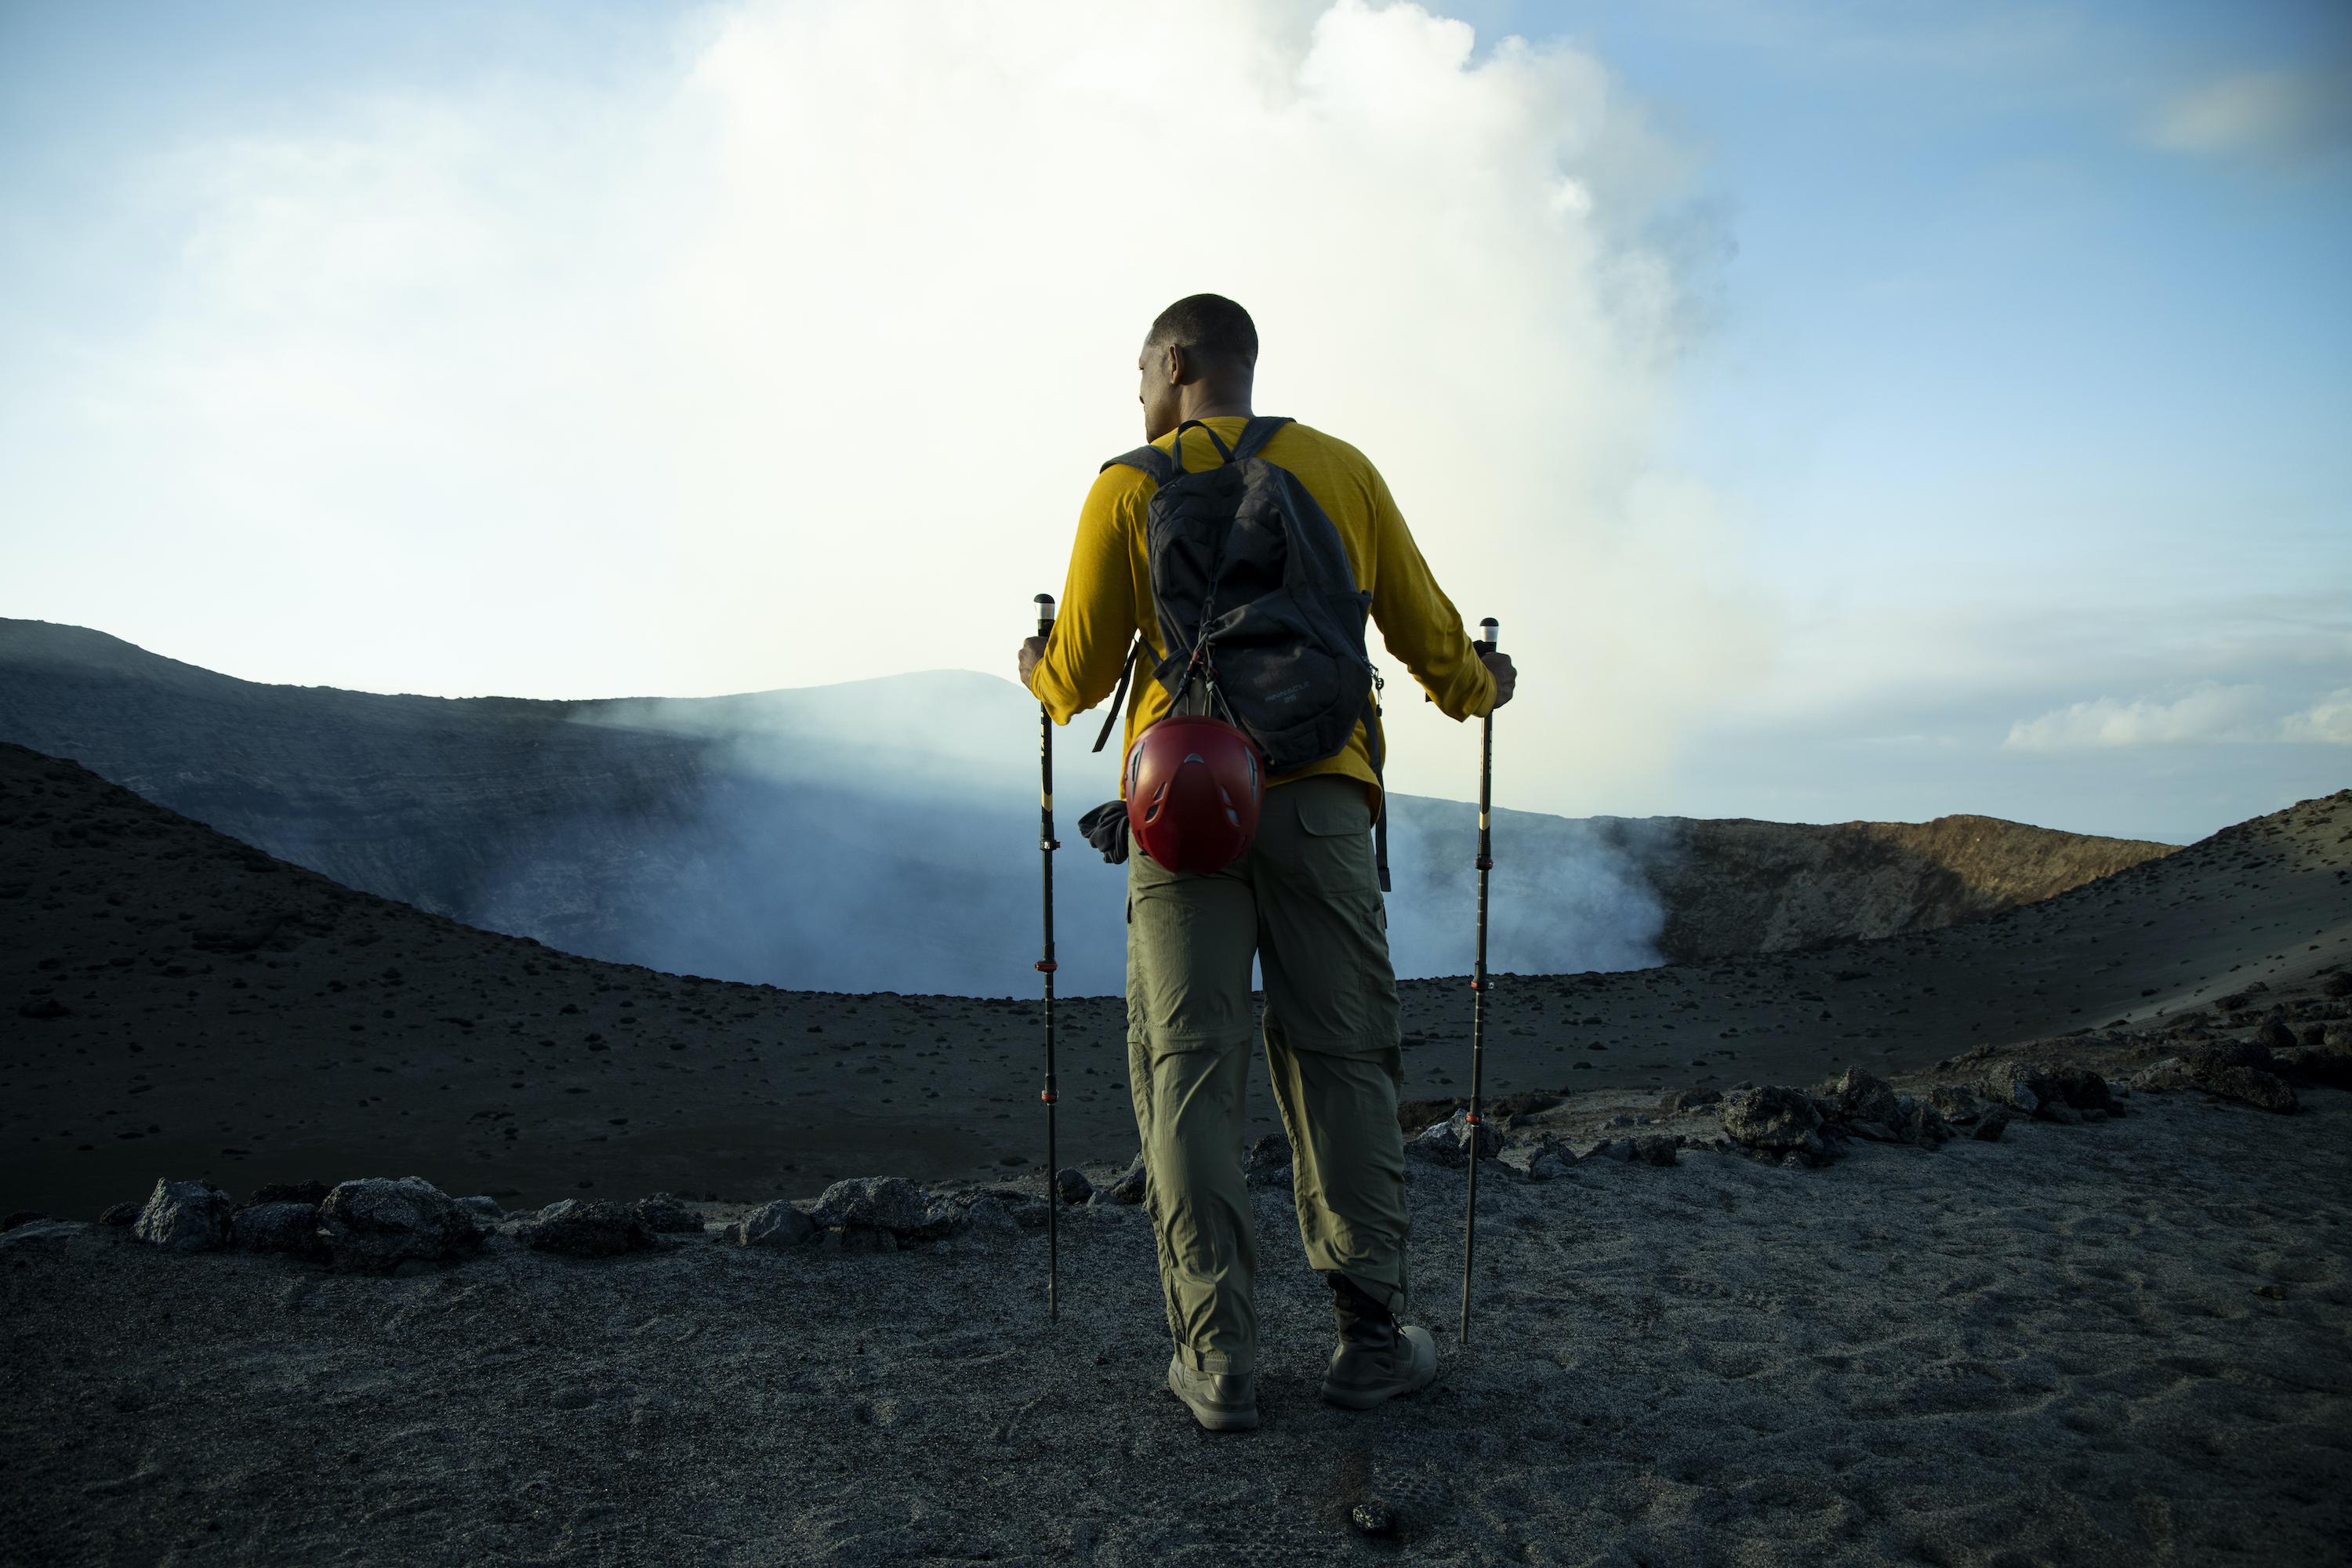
[(1194, 785)]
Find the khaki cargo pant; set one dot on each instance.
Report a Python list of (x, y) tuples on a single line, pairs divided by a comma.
[(1306, 900)]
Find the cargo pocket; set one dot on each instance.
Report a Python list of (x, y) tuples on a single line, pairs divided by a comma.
[(1336, 846)]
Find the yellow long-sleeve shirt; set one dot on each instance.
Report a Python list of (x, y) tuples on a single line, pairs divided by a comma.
[(1108, 596)]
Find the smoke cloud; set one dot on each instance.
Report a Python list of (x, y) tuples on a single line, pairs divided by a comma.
[(784, 358)]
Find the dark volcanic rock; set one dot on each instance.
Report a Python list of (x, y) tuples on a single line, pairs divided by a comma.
[(1071, 1185), (1990, 1125), (186, 1217), (875, 1203), (1267, 1163), (2322, 1066), (2338, 984), (780, 1225), (2050, 1093), (1449, 1142), (1657, 1149), (1862, 1099), (1552, 1164), (2274, 1036), (311, 1192), (665, 1212), (2222, 1073), (1918, 1122), (595, 1229), (378, 1223), (1688, 1099), (2252, 1086), (2076, 1086), (1129, 1188), (119, 1215), (291, 1228), (1775, 1121), (1956, 1102)]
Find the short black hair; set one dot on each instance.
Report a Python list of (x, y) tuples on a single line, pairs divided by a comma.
[(1209, 323)]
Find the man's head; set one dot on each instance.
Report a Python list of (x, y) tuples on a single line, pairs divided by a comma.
[(1198, 360)]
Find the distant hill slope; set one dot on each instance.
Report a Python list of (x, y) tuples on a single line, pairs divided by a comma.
[(881, 835), (172, 1002)]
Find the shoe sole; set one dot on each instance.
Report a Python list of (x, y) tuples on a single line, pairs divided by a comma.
[(1210, 1417)]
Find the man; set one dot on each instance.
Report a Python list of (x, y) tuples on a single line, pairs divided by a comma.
[(1304, 900)]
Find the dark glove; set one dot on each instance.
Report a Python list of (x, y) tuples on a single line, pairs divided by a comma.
[(1106, 828)]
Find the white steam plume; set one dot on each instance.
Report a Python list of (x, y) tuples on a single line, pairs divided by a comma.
[(789, 361)]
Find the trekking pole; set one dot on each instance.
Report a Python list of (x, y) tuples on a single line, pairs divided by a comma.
[(1046, 966), (1479, 968)]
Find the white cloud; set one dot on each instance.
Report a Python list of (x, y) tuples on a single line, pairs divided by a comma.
[(789, 362), (2209, 712), (2278, 114), (2327, 722)]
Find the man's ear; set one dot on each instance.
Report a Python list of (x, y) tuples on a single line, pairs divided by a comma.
[(1178, 366)]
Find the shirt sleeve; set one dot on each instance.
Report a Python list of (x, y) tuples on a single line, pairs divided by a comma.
[(1418, 621), (1097, 617)]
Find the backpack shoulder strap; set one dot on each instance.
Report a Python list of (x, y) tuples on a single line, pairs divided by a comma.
[(1118, 697), (1151, 459), (1257, 433)]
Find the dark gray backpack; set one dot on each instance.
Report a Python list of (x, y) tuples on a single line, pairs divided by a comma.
[(1258, 606)]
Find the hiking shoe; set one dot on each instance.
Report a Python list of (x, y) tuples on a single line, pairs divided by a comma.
[(1220, 1401), (1372, 1368)]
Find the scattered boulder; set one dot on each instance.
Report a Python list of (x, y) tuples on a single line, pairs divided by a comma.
[(1865, 1101), (875, 1203), (1918, 1122), (289, 1228), (1128, 1189), (119, 1215), (378, 1223), (1611, 1149), (483, 1207), (2338, 984), (2319, 1066), (2225, 1074), (1550, 1165), (311, 1192), (1688, 1099), (1657, 1149), (667, 1213), (1268, 1162), (32, 1233), (1774, 1122), (779, 1224), (1072, 1185), (1990, 1125), (186, 1217), (2274, 1036), (1028, 1210), (1956, 1102), (2050, 1093), (1449, 1142), (596, 1227)]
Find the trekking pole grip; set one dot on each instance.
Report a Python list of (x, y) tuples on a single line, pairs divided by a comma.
[(1044, 603)]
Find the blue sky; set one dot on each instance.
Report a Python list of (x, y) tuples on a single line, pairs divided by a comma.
[(1995, 388)]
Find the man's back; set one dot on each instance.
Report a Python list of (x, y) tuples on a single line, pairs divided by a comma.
[(1107, 597)]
